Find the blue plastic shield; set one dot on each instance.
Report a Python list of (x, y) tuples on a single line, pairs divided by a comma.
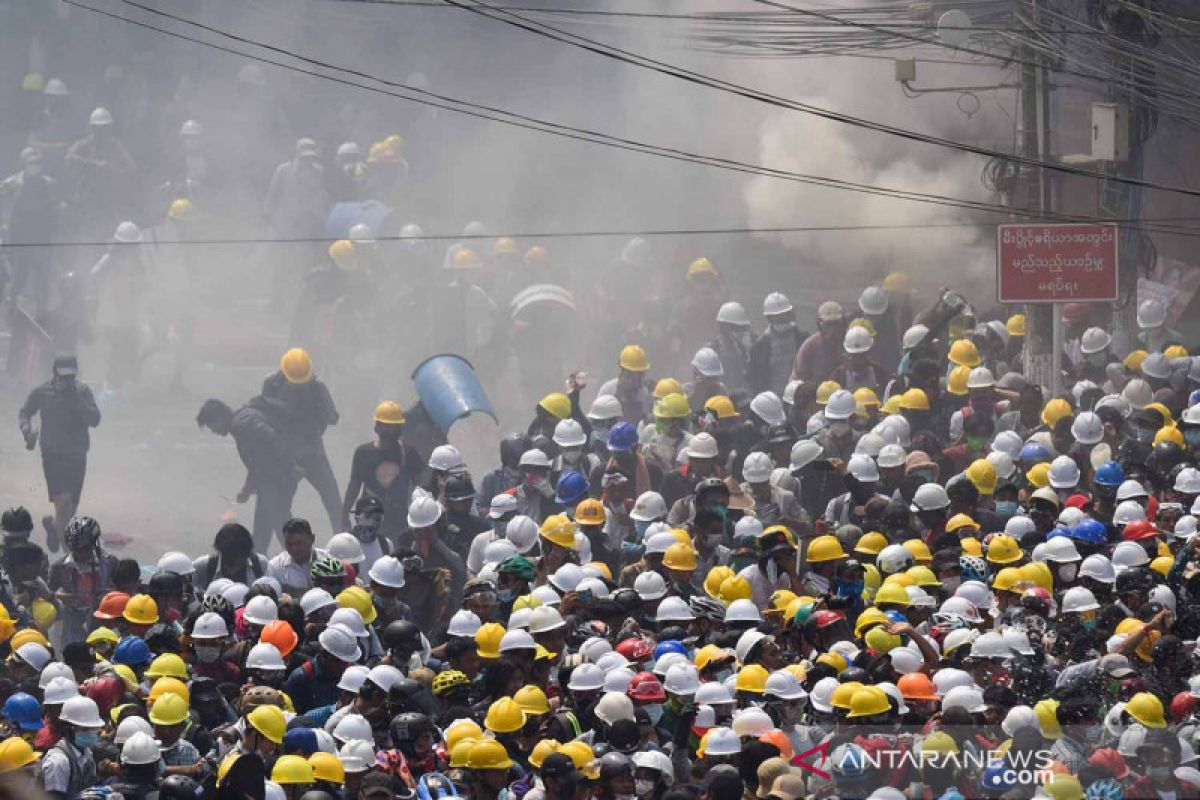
[(450, 390)]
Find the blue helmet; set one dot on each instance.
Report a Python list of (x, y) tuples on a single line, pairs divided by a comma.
[(1194, 397), (1104, 789), (622, 438), (1110, 474), (669, 646), (998, 777), (302, 740), (1089, 531), (435, 786), (24, 711), (973, 568), (1034, 453), (132, 651), (849, 762), (572, 487), (894, 616)]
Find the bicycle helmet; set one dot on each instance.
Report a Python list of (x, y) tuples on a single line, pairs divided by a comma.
[(327, 567), (81, 533), (973, 568)]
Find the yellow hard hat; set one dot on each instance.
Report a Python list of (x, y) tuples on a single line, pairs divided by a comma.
[(1146, 709), (891, 405), (1015, 325), (1055, 409), (666, 386), (1047, 716), (27, 635), (605, 570), (680, 556), (956, 383), (296, 366), (711, 653), (780, 601), (1162, 564), (701, 266), (557, 528), (487, 639), (971, 546), (342, 254), (180, 209), (327, 767), (141, 610), (15, 753), (842, 694), (1133, 361), (922, 576), (505, 716), (1176, 351), (125, 673), (463, 728), (292, 770), (359, 599), (44, 613), (465, 258), (389, 412), (870, 543), (1064, 787), (541, 750), (1163, 411), (168, 665), (864, 323), (824, 548), (1169, 433), (526, 601), (1039, 573), (165, 686), (1007, 578), (919, 550), (582, 756), (1039, 475), (914, 400), (752, 678), (715, 577), (897, 282), (1003, 549), (965, 354), (673, 406), (557, 404), (868, 701), (460, 752), (170, 709), (879, 640), (982, 474), (959, 521), (505, 246), (735, 587), (721, 407), (536, 256), (269, 721), (488, 754), (33, 82), (869, 616), (892, 594), (103, 634), (900, 579), (590, 512), (865, 396), (633, 358), (825, 389), (871, 578), (532, 700)]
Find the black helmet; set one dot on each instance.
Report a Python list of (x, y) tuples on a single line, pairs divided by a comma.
[(511, 449), (164, 583), (16, 520), (960, 488), (459, 487), (402, 634), (179, 787), (368, 504), (614, 763), (1165, 456), (82, 532), (317, 794), (1134, 580), (403, 691), (410, 726)]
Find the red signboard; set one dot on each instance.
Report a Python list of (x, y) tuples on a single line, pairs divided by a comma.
[(1056, 263)]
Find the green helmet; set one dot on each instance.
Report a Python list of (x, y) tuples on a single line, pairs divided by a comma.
[(516, 565), (327, 567)]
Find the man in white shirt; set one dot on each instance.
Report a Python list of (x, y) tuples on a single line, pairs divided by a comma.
[(291, 567)]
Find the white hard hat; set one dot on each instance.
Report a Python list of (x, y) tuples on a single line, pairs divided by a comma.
[(656, 538), (423, 511), (895, 429), (140, 748), (873, 300), (1077, 599), (1127, 555), (35, 655), (55, 669), (516, 639), (264, 656), (769, 408), (569, 433), (1138, 394), (733, 314), (128, 232), (1128, 511), (714, 693), (804, 452), (949, 678), (1151, 313), (236, 593), (464, 623), (722, 742), (614, 706), (650, 506), (346, 547), (863, 469), (977, 594), (82, 712), (260, 610), (594, 647), (534, 458), (56, 88), (841, 405), (980, 378), (412, 231), (962, 607), (920, 598), (522, 532), (496, 551), (353, 726), (869, 444), (784, 685), (59, 690), (914, 336), (605, 407), (210, 625), (757, 466), (100, 116), (1156, 365), (446, 458), (131, 725), (776, 303), (742, 610), (545, 619), (315, 599), (905, 660), (1187, 481), (1064, 473), (682, 679), (1185, 527), (520, 617), (891, 455), (1060, 550), (566, 577), (708, 363), (930, 497), (1098, 567), (361, 232), (990, 645), (894, 558), (177, 562), (1009, 442), (752, 721), (586, 678), (1094, 340), (1087, 428), (351, 620), (340, 642), (502, 504), (1019, 717), (857, 340), (1002, 463), (674, 609), (1069, 517), (353, 678), (702, 445), (385, 676), (613, 660), (1163, 595), (357, 755), (387, 571), (748, 528)]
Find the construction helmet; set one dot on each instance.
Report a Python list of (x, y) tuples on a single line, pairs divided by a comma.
[(871, 543), (825, 390), (532, 700), (342, 253), (892, 593), (673, 406), (633, 358), (701, 266), (868, 701), (327, 767), (918, 548), (1047, 716), (824, 548), (715, 577), (15, 753), (489, 754), (982, 474), (721, 407), (1003, 549), (557, 528), (170, 709), (842, 694), (1169, 433), (879, 640), (465, 258), (556, 404), (141, 610), (269, 721), (735, 587), (505, 716), (680, 556), (590, 512), (964, 353), (916, 686), (666, 386), (487, 639), (165, 686), (292, 770), (956, 382), (296, 366), (389, 412), (1147, 709), (1015, 325), (168, 665), (752, 678), (1055, 409), (914, 400)]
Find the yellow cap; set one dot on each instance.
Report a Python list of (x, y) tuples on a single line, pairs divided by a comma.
[(327, 767), (1039, 475), (590, 512), (735, 587), (825, 389), (673, 406), (164, 686), (536, 256), (1133, 361), (964, 353), (1176, 351), (180, 209), (865, 396), (558, 529), (103, 634), (541, 750), (487, 639), (957, 382), (914, 400), (1055, 409), (532, 700), (982, 474), (170, 709), (721, 407), (168, 665), (505, 246), (871, 543), (1169, 433)]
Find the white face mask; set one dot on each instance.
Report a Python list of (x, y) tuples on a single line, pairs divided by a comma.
[(643, 788)]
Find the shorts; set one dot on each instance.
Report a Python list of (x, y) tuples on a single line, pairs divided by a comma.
[(64, 474)]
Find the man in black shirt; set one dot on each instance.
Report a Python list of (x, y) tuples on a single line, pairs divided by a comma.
[(67, 409), (386, 469)]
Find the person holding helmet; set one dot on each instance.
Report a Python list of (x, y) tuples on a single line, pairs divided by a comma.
[(387, 469)]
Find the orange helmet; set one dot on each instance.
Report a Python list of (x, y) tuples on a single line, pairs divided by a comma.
[(916, 686), (282, 635), (112, 606)]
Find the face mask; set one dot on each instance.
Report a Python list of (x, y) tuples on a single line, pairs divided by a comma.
[(599, 434), (506, 595), (1006, 508), (654, 711), (839, 428), (723, 675), (849, 588), (1067, 572), (1143, 435), (1090, 624), (643, 788), (85, 739), (208, 654), (781, 327), (542, 486)]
